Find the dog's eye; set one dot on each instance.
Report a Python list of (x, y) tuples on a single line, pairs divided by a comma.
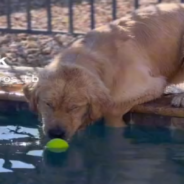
[(73, 107), (49, 104)]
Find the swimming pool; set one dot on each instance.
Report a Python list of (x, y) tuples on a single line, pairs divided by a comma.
[(98, 155)]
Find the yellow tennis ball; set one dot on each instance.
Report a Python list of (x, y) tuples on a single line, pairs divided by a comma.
[(57, 145)]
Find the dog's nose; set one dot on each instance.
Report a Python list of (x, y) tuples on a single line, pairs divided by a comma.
[(56, 133)]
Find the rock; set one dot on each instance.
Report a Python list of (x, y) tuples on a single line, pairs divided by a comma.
[(31, 44), (21, 61), (4, 39), (17, 16), (32, 60), (15, 45), (10, 57), (3, 50), (46, 50), (22, 36), (32, 51), (32, 38), (58, 38)]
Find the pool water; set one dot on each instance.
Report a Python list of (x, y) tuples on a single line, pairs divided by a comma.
[(98, 155)]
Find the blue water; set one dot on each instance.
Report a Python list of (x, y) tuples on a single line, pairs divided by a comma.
[(98, 155)]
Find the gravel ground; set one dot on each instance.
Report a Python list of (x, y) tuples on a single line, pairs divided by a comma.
[(38, 50)]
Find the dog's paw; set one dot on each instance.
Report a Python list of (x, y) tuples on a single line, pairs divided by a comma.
[(178, 100)]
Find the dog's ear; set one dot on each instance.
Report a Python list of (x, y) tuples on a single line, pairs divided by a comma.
[(99, 101), (31, 96)]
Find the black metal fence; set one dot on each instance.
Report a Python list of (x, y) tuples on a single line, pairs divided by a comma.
[(50, 30)]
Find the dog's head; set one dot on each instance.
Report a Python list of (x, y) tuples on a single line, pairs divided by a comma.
[(67, 99)]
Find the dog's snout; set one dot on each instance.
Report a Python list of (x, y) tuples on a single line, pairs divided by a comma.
[(56, 133)]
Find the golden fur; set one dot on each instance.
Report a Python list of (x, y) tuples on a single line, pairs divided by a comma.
[(113, 68)]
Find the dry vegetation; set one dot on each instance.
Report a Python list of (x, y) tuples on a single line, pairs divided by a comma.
[(38, 50)]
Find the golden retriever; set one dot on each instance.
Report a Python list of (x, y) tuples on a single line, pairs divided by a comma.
[(113, 68)]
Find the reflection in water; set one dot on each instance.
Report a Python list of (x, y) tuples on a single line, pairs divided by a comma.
[(2, 169), (98, 155), (15, 164), (14, 132), (38, 153)]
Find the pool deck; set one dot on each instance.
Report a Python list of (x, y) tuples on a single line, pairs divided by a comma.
[(155, 113)]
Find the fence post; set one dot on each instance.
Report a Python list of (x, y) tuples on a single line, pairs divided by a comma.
[(136, 4), (28, 6), (114, 9), (49, 16), (92, 14), (8, 13), (70, 15)]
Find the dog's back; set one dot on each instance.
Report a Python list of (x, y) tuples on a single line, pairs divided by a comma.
[(151, 36)]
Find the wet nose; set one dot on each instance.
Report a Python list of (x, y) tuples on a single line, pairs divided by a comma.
[(56, 133)]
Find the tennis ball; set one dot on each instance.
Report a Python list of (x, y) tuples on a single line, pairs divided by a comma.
[(57, 145)]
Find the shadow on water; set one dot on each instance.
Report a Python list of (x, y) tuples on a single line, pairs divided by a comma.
[(98, 155)]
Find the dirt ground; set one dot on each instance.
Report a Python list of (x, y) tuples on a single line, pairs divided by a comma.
[(38, 50)]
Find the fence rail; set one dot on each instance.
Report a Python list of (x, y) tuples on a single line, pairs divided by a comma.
[(50, 30)]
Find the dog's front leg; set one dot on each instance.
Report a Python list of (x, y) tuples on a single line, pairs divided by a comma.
[(151, 90), (114, 120), (115, 117)]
